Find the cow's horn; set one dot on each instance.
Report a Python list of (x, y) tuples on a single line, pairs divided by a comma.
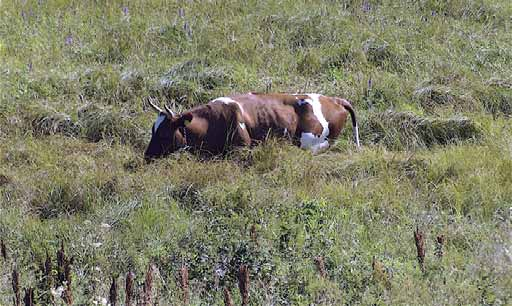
[(168, 109), (158, 109)]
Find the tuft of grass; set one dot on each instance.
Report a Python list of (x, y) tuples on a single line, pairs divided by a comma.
[(497, 97), (60, 198), (46, 121), (405, 130), (194, 81), (382, 55), (272, 208), (98, 123)]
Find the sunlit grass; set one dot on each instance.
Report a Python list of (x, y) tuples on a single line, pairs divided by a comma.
[(430, 81)]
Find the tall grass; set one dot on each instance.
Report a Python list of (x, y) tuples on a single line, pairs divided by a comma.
[(430, 81)]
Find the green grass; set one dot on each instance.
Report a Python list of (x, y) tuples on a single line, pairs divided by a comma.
[(430, 81)]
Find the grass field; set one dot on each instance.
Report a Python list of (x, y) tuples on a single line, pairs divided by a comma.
[(430, 81)]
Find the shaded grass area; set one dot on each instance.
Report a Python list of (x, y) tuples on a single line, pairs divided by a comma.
[(430, 81)]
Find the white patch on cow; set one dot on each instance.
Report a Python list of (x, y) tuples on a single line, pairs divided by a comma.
[(308, 140), (227, 100), (159, 120), (314, 143)]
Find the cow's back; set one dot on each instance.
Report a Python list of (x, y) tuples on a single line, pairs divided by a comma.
[(310, 120), (264, 114)]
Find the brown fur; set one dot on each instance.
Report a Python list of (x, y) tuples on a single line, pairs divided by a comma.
[(215, 127)]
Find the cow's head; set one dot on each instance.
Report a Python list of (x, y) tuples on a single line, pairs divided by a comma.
[(166, 133)]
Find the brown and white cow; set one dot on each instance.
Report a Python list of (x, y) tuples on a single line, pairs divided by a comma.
[(309, 120)]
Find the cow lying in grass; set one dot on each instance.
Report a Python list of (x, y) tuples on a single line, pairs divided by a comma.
[(308, 120)]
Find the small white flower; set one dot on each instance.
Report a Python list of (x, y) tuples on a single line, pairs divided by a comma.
[(97, 244), (100, 301), (105, 225), (57, 292)]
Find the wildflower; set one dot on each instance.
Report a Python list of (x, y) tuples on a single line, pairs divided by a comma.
[(97, 244), (69, 39), (57, 292), (366, 6), (100, 301)]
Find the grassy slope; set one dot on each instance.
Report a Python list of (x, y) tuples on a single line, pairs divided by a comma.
[(63, 182)]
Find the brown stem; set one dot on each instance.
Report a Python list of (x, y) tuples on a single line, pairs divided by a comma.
[(130, 277), (228, 301), (112, 297), (419, 238), (29, 297), (243, 284), (320, 265), (16, 287), (184, 284)]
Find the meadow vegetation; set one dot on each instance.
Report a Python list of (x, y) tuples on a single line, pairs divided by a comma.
[(431, 84)]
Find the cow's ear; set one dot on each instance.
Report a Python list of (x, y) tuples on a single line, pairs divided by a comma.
[(185, 119)]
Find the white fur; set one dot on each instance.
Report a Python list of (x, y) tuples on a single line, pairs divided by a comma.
[(159, 120), (227, 100), (308, 140), (356, 135), (311, 142)]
